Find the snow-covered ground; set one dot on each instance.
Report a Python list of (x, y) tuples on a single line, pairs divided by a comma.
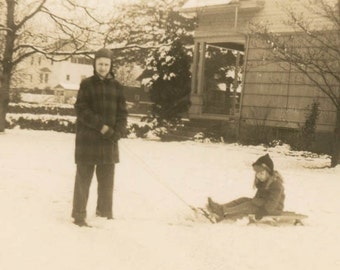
[(154, 229)]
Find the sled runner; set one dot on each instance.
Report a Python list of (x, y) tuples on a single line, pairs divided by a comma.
[(213, 218), (285, 217)]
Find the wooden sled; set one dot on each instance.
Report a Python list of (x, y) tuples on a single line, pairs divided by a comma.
[(285, 217), (213, 218)]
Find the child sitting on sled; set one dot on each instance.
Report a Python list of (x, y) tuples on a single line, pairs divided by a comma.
[(268, 200)]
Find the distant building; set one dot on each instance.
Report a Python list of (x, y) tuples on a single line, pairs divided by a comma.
[(37, 72), (39, 75)]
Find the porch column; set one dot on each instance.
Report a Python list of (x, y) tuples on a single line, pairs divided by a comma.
[(195, 68), (235, 85), (200, 84), (197, 79)]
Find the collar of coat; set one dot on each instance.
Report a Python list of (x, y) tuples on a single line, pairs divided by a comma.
[(109, 76), (275, 177)]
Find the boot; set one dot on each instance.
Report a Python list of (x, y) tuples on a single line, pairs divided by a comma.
[(215, 208), (81, 223), (100, 214)]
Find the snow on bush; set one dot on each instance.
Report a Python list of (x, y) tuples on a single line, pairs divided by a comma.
[(56, 109), (62, 118), (42, 122), (38, 98)]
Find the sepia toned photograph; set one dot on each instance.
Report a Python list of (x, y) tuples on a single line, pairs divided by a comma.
[(169, 134)]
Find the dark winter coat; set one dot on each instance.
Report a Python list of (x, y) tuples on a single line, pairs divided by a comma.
[(270, 195), (99, 102)]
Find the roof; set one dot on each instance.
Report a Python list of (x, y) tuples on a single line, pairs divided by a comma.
[(66, 86), (193, 5), (45, 69)]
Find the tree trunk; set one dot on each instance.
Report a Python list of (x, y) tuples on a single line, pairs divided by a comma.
[(7, 64), (336, 146), (4, 100), (3, 110)]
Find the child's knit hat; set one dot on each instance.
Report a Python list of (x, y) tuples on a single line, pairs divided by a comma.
[(264, 162)]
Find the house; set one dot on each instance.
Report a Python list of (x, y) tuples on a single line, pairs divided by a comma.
[(62, 78), (39, 73), (255, 94)]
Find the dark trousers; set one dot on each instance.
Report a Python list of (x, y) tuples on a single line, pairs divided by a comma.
[(105, 178), (239, 208)]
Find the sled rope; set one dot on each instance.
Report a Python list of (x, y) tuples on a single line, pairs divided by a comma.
[(156, 177)]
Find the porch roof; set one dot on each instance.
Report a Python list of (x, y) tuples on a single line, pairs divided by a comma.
[(193, 5)]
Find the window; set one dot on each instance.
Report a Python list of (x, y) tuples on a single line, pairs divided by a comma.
[(32, 60), (68, 77), (44, 77), (39, 61)]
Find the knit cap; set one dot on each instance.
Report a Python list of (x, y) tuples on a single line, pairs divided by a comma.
[(106, 53), (103, 52), (264, 162)]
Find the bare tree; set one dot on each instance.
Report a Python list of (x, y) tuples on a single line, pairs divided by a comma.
[(311, 49), (131, 30), (31, 27)]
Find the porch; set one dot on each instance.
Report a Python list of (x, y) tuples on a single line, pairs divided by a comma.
[(219, 54)]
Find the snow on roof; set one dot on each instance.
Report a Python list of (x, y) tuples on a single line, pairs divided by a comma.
[(67, 86), (194, 4)]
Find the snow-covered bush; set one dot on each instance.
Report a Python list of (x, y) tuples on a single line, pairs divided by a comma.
[(62, 118), (42, 122), (58, 109), (147, 129), (67, 124), (138, 130), (59, 117)]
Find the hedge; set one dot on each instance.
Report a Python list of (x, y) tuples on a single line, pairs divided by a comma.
[(26, 108), (42, 122), (55, 117)]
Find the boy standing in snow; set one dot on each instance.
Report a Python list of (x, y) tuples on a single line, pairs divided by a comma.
[(268, 200), (101, 122)]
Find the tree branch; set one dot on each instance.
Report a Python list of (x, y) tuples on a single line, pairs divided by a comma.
[(31, 15), (49, 55), (4, 28)]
